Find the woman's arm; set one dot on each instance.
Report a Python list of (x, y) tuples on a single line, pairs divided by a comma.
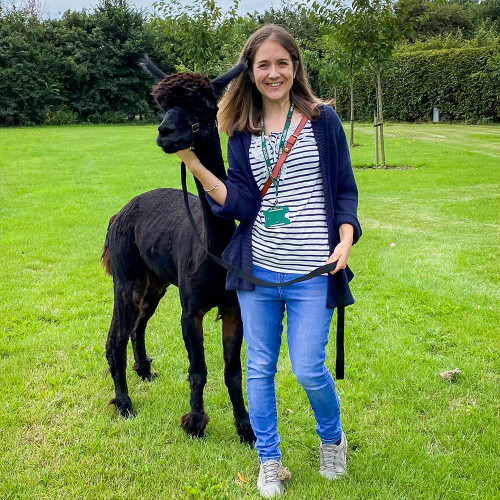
[(346, 201), (343, 249), (234, 197), (213, 186)]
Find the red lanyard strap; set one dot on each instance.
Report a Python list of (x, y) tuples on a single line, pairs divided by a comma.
[(286, 150)]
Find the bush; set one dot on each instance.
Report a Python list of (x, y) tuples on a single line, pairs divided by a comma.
[(107, 117), (63, 116), (460, 82), (152, 117), (86, 60), (94, 118), (113, 117)]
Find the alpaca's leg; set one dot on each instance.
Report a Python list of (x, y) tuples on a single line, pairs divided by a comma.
[(142, 363), (232, 336), (126, 315), (196, 420)]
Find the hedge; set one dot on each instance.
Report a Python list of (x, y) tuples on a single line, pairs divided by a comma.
[(462, 83)]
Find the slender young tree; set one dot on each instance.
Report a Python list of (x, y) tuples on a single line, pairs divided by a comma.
[(332, 68), (345, 49), (368, 31), (334, 61), (380, 25)]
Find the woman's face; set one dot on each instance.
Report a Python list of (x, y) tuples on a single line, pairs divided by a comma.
[(272, 72)]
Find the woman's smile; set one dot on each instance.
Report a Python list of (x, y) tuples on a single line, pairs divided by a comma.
[(273, 71)]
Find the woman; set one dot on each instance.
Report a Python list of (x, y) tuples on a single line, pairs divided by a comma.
[(307, 217)]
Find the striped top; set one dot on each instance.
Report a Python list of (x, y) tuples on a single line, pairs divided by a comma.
[(302, 245)]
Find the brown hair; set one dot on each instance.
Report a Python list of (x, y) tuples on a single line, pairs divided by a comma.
[(240, 108)]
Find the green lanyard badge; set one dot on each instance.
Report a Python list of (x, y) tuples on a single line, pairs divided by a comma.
[(276, 216)]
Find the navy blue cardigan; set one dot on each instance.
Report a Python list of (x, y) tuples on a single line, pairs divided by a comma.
[(243, 199)]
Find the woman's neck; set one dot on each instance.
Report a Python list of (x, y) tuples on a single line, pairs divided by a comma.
[(275, 109), (274, 114)]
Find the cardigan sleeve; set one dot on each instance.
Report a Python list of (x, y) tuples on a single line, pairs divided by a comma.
[(241, 201), (346, 201)]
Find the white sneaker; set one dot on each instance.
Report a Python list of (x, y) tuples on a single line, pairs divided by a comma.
[(268, 482), (332, 459)]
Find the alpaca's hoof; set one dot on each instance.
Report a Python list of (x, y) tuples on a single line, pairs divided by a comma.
[(245, 431), (123, 406), (148, 377), (143, 370), (194, 423)]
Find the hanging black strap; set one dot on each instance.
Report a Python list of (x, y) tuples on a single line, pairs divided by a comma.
[(339, 364)]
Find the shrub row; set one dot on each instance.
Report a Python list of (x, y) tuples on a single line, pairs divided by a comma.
[(81, 67), (463, 83), (84, 67)]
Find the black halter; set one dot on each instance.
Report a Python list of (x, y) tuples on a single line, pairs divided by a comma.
[(198, 126)]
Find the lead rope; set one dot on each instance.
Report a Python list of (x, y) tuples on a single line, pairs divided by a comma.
[(338, 277)]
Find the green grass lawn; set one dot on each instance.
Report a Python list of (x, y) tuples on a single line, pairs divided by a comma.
[(427, 301)]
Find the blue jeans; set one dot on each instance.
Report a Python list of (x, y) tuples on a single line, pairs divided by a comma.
[(308, 324)]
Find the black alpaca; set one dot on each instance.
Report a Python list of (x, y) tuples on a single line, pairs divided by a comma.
[(150, 245)]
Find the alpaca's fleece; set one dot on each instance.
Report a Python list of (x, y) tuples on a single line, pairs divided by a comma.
[(191, 91)]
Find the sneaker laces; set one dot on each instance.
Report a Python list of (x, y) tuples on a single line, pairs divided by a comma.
[(330, 455), (271, 471)]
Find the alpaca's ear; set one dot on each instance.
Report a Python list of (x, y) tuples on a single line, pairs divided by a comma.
[(220, 83), (151, 68)]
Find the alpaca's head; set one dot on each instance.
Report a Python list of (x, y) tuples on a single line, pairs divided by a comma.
[(190, 107), (190, 104)]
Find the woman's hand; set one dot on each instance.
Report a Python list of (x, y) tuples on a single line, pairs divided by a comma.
[(213, 186), (343, 249), (188, 156)]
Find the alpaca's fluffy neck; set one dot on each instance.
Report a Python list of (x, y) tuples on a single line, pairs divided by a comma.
[(218, 230)]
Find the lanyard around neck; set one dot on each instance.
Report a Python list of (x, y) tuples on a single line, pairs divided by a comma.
[(282, 144)]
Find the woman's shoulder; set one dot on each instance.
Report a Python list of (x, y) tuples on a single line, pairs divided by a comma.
[(328, 111), (239, 134), (328, 114), (238, 138), (239, 141)]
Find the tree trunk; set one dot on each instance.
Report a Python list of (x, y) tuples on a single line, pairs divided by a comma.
[(351, 138), (375, 126), (380, 116)]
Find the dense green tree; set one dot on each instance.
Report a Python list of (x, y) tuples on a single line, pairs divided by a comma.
[(344, 52), (84, 62), (440, 18), (109, 44), (488, 12), (201, 36), (29, 85), (451, 16), (240, 29), (333, 68)]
